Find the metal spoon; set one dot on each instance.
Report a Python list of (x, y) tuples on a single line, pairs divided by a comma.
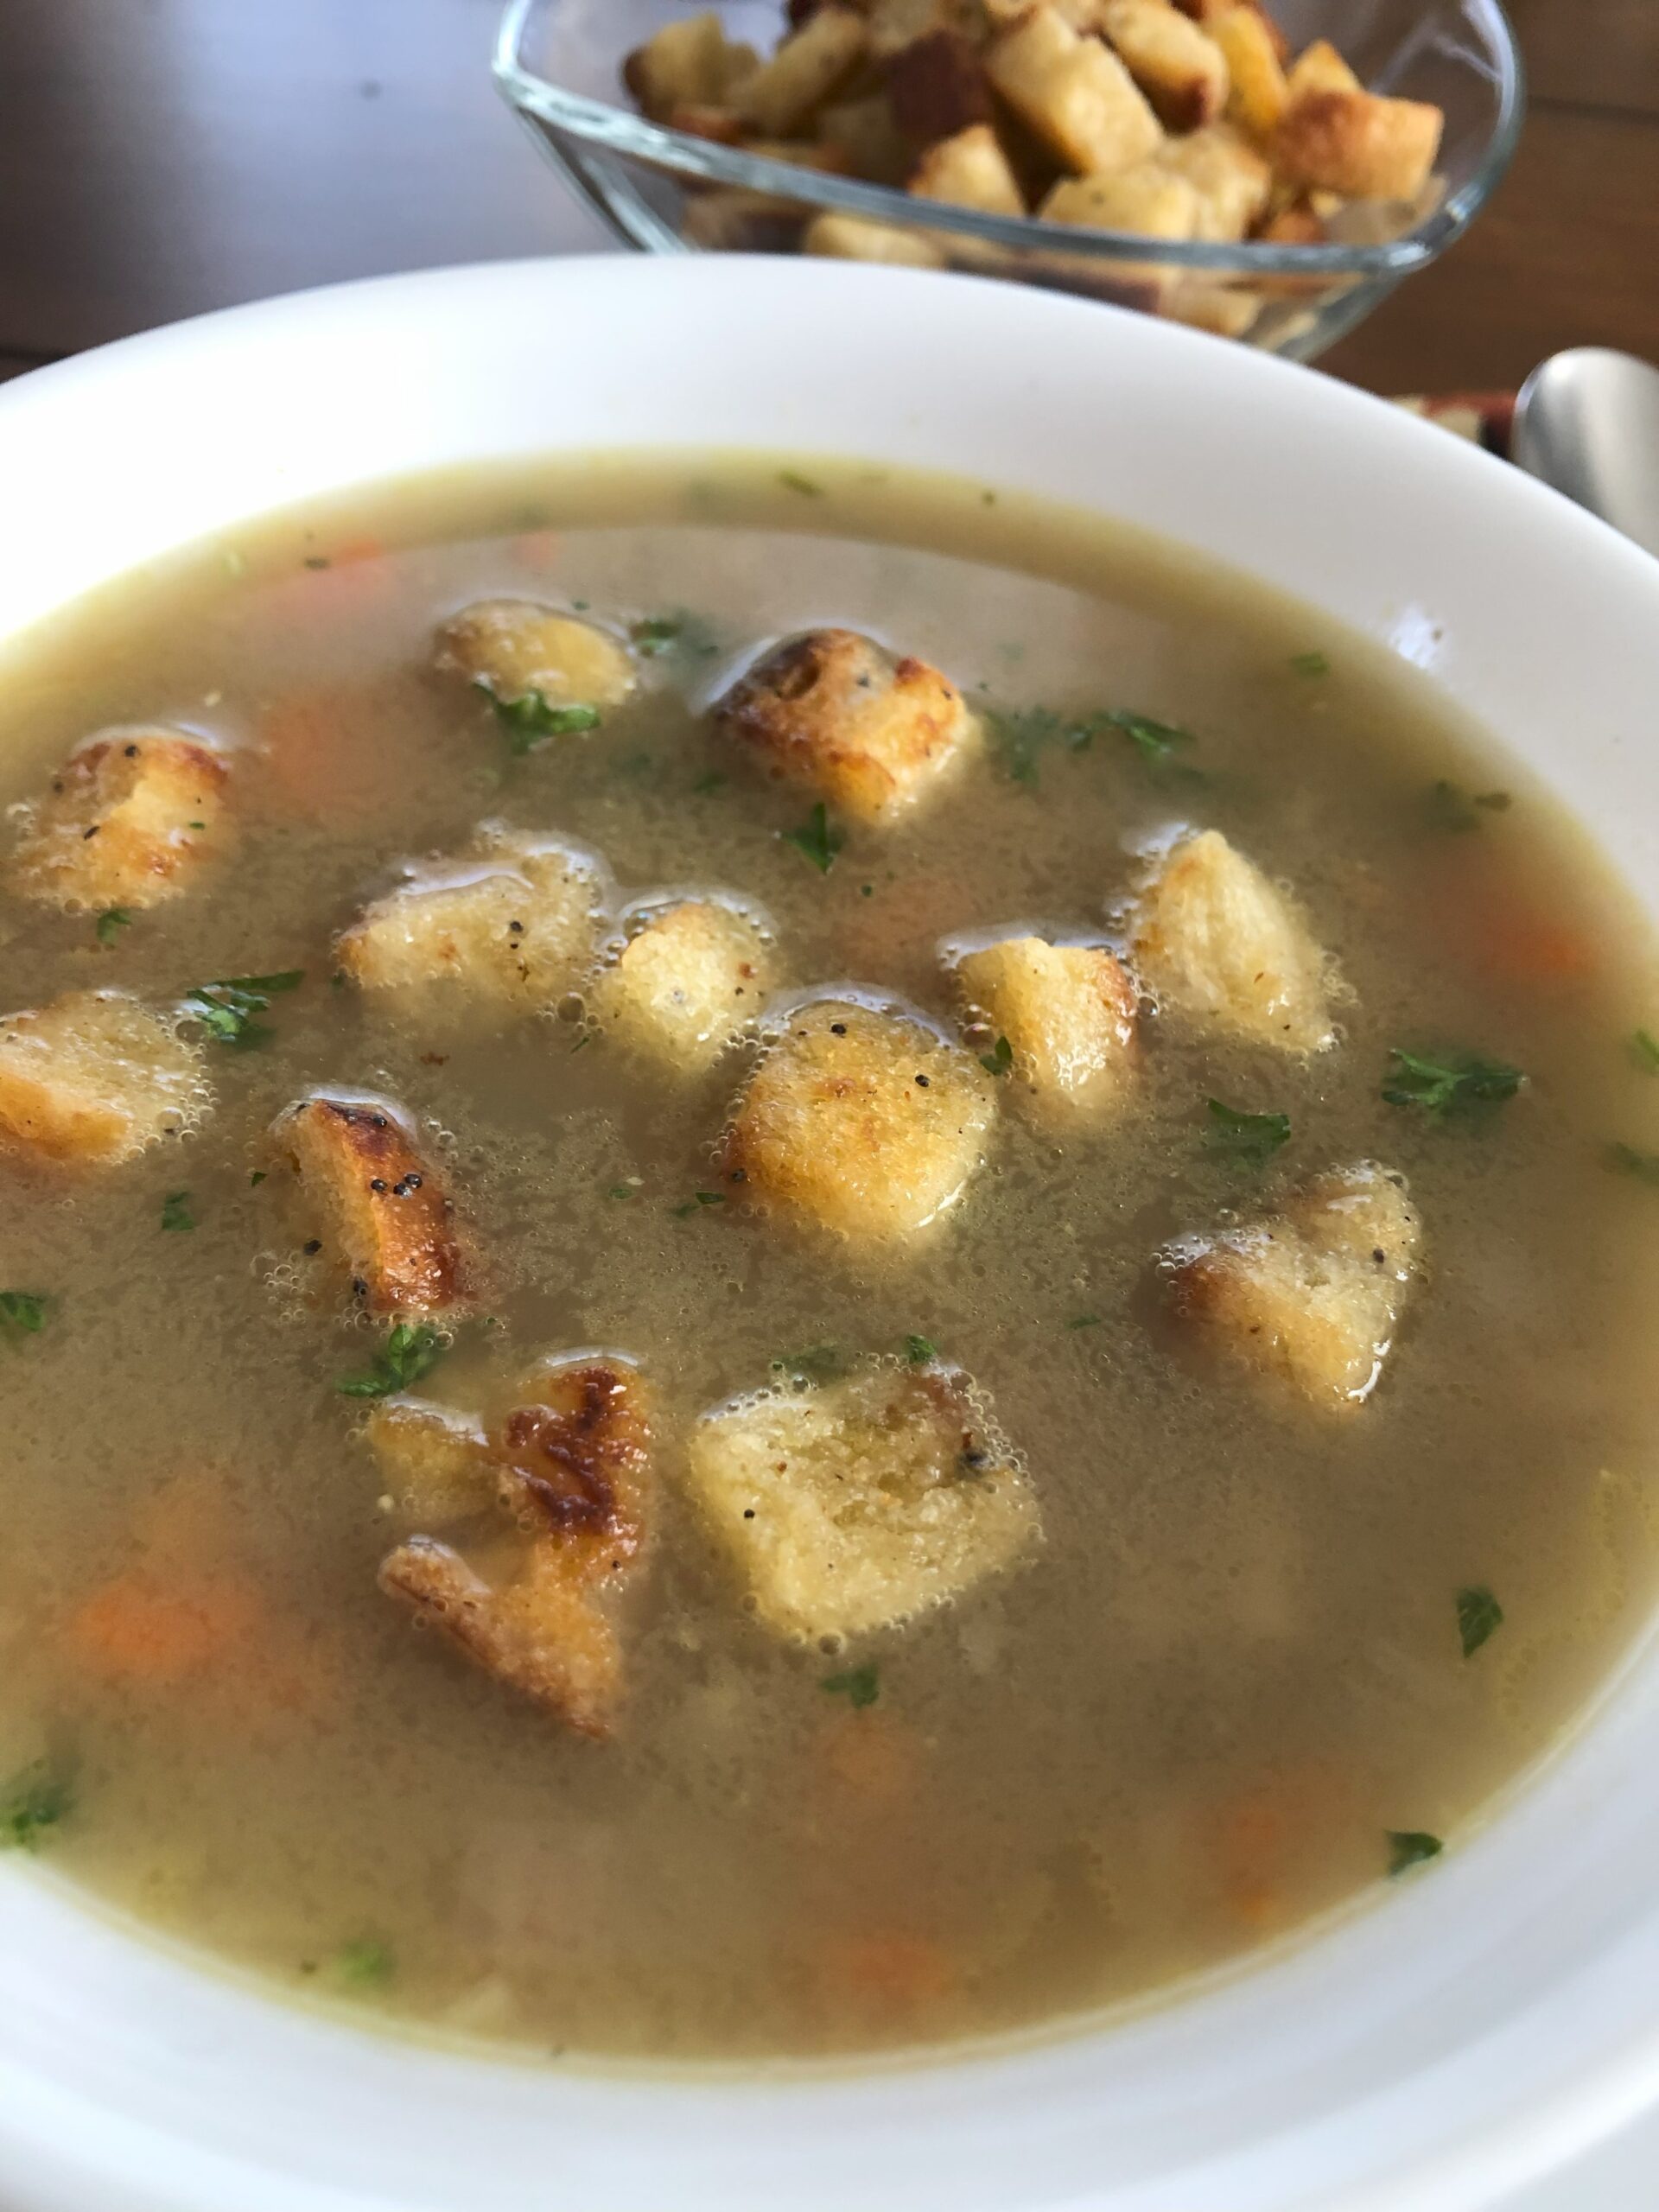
[(1588, 422)]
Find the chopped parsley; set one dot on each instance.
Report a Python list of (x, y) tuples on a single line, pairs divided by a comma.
[(679, 632), (1478, 1614), (713, 781), (818, 1364), (1444, 1086), (33, 1801), (1644, 1051), (699, 1198), (919, 1350), (1408, 1848), (620, 1191), (227, 1010), (1155, 742), (367, 1964), (1020, 735), (1000, 1059), (256, 1179), (1625, 1160), (111, 923), (175, 1211), (1085, 1321), (1248, 1139), (860, 1686), (1311, 664), (411, 1350), (792, 481), (23, 1313), (817, 838), (531, 718), (1452, 809)]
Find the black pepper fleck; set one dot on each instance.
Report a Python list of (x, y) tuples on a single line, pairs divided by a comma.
[(923, 1080), (132, 753), (313, 1244), (837, 1029), (376, 1182)]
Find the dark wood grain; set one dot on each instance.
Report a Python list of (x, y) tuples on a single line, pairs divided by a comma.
[(1599, 53)]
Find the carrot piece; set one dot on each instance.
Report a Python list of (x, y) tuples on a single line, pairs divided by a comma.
[(870, 1757), (891, 1971), (134, 1632), (1500, 930), (1260, 1838), (538, 549), (329, 753)]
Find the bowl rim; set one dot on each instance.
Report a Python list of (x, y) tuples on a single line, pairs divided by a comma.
[(618, 130)]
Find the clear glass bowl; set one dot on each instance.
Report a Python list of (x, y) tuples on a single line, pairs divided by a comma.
[(559, 63)]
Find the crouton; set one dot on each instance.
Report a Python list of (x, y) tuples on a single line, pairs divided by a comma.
[(864, 132), (1231, 180), (686, 984), (849, 238), (435, 1463), (869, 1124), (95, 1077), (856, 1505), (938, 87), (1226, 949), (895, 24), (131, 818), (1182, 73), (804, 71), (1148, 200), (376, 1199), (570, 1465), (1068, 1012), (969, 170), (1257, 92), (1357, 143), (518, 649), (688, 63), (515, 926), (1073, 92), (1319, 68), (1311, 1296), (867, 732)]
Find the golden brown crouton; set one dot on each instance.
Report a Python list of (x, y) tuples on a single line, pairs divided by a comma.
[(938, 87), (94, 1077), (435, 1463), (1148, 200), (1225, 948), (687, 984), (868, 1123), (377, 1199), (1068, 1012), (1073, 92), (515, 925), (131, 817), (895, 24), (1182, 72), (849, 238), (1231, 180), (806, 70), (864, 132), (1320, 68), (835, 711), (570, 1463), (1358, 143), (515, 648), (688, 63), (969, 170), (856, 1505), (1257, 92), (1312, 1295)]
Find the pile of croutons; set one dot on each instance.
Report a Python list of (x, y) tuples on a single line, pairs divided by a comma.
[(1187, 121)]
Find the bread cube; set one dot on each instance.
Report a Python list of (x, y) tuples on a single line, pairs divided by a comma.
[(835, 711), (689, 63), (376, 1199), (806, 70), (969, 170), (849, 238), (895, 24), (1232, 182), (1224, 948), (513, 648), (514, 926), (1257, 92), (1319, 68), (1182, 72), (570, 1464), (95, 1077), (1148, 200), (434, 1462), (687, 984), (1311, 1296), (130, 819), (1073, 92), (938, 87), (868, 1123), (864, 133), (857, 1504), (1068, 1012), (1358, 144)]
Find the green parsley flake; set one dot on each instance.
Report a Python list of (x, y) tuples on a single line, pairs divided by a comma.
[(111, 923), (409, 1352), (713, 781), (1408, 1848), (530, 719), (32, 1802), (860, 1686), (817, 838), (1310, 664), (1457, 811), (227, 1010), (1000, 1059), (1478, 1614), (1085, 1321), (682, 632), (818, 1364), (620, 1191), (1248, 1139), (792, 481), (23, 1313), (699, 1198), (256, 1178), (1644, 1051), (1442, 1087), (1625, 1160), (175, 1211), (366, 1964), (919, 1350)]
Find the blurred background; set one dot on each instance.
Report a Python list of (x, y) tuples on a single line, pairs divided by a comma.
[(161, 157)]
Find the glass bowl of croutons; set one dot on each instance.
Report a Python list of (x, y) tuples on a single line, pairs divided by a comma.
[(1267, 172)]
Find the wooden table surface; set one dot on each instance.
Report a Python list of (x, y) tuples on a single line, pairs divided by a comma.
[(160, 157)]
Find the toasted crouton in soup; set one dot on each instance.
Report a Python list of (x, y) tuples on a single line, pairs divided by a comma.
[(518, 649), (969, 170), (864, 1121), (130, 820), (1073, 92), (1068, 1012), (377, 1201), (849, 238), (856, 1505), (95, 1077), (1224, 948), (514, 923), (1182, 72), (1358, 143), (1232, 182), (435, 1462), (781, 97), (1310, 1296), (868, 731), (688, 982), (1257, 92), (570, 1463), (688, 63)]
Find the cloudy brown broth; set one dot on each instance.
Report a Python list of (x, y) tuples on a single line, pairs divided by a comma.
[(1186, 1722)]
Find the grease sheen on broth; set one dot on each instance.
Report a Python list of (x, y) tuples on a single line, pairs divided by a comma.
[(1185, 1723)]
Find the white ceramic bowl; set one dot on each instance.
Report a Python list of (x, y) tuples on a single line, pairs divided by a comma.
[(1481, 2024)]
